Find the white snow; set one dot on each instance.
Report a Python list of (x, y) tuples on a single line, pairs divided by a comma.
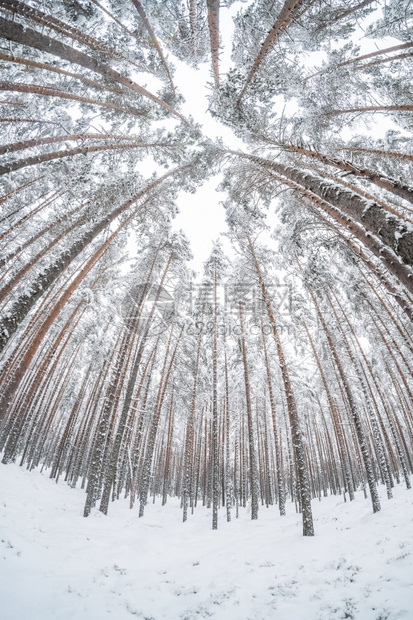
[(57, 565)]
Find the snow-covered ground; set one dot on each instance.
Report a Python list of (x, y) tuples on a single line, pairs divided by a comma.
[(56, 565)]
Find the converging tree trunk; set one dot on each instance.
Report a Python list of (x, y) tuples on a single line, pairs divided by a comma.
[(302, 474)]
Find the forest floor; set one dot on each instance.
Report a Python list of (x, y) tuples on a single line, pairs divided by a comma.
[(57, 565)]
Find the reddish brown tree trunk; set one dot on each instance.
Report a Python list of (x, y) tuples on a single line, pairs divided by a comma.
[(286, 16), (15, 32), (213, 24)]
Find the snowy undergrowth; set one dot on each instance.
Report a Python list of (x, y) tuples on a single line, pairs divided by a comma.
[(54, 564)]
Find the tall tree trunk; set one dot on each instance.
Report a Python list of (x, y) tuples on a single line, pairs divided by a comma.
[(381, 61), (215, 451), (371, 108), (304, 490), (13, 31), (166, 469), (356, 59), (30, 352), (391, 185), (342, 14), (382, 276), (189, 446), (213, 24), (79, 137), (22, 306), (390, 230), (376, 436), (331, 405), (43, 231), (402, 272), (41, 65), (354, 410), (102, 426), (63, 28), (227, 417), (138, 439), (251, 440), (396, 155), (15, 191), (80, 150), (139, 7), (286, 16), (114, 457), (118, 22), (47, 91), (280, 481), (193, 26), (150, 447)]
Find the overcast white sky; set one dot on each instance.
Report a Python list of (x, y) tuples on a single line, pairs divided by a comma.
[(201, 216)]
